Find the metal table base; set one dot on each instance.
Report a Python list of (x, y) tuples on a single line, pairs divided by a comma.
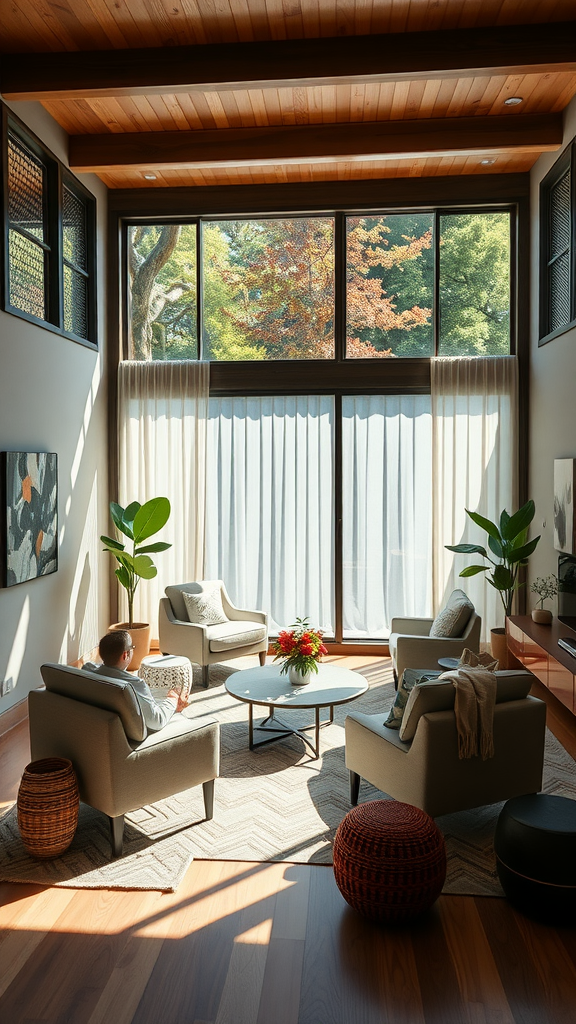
[(268, 724)]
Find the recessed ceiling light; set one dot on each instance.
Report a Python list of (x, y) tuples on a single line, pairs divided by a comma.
[(513, 101), (150, 177), (491, 160)]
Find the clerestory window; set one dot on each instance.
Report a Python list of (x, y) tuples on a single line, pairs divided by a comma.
[(410, 284), (558, 247), (50, 240)]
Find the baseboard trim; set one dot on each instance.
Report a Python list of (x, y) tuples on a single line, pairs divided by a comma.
[(13, 716)]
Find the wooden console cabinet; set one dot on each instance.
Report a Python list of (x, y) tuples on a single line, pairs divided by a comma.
[(537, 648)]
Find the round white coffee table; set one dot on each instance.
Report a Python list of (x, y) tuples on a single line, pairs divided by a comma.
[(267, 687), (167, 671)]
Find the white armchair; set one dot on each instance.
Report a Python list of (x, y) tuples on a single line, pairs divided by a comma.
[(205, 643), (411, 646)]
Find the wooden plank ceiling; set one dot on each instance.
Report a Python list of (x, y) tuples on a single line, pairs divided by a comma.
[(157, 93)]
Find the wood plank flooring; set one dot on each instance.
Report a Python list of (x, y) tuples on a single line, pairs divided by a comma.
[(242, 943)]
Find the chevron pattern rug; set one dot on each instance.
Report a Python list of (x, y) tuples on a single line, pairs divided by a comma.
[(276, 803), (272, 804)]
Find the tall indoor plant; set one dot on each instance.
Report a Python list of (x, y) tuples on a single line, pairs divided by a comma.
[(509, 549), (138, 523)]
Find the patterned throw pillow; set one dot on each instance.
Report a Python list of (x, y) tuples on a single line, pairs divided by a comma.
[(453, 619), (410, 677), (205, 608)]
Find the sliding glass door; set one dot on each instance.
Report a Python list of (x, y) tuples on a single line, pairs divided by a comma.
[(270, 505), (271, 508), (386, 511)]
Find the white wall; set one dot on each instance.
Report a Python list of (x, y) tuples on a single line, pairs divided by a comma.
[(552, 392), (52, 398)]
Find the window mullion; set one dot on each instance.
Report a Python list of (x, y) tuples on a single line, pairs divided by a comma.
[(340, 287), (199, 289), (338, 550), (29, 236), (436, 291), (54, 281)]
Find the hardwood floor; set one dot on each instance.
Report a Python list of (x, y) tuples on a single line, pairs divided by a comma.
[(242, 943)]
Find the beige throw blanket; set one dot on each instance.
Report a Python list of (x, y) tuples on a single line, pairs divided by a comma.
[(474, 709)]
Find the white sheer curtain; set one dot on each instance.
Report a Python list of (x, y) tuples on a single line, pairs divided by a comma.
[(386, 511), (162, 415), (475, 445), (270, 505)]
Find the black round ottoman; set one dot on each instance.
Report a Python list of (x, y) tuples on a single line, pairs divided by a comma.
[(535, 847), (389, 860)]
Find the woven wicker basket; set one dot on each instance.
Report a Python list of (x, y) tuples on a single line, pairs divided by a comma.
[(47, 804)]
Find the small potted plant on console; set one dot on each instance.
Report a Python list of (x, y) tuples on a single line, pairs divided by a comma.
[(546, 587)]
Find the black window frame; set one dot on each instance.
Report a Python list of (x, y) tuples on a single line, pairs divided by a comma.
[(565, 163), (57, 176), (340, 217)]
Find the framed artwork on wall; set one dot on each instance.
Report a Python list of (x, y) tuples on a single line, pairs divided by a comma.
[(564, 521), (29, 515)]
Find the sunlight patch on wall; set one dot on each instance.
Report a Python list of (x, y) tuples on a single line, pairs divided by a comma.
[(14, 666), (82, 632)]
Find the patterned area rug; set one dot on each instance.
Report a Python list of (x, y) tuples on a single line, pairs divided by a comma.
[(274, 803), (158, 850)]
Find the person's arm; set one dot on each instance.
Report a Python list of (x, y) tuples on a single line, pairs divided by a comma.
[(156, 715)]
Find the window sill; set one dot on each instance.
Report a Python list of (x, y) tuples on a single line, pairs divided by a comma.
[(53, 328), (557, 333)]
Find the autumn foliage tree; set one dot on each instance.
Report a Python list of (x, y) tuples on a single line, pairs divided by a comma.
[(269, 287), (283, 293)]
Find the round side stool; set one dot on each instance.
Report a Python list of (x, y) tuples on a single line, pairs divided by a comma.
[(389, 860), (535, 847), (167, 672)]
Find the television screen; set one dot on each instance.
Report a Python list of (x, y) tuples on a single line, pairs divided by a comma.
[(567, 590)]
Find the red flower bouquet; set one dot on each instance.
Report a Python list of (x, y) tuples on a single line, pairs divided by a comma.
[(299, 647)]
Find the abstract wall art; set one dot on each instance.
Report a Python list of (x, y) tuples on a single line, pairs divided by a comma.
[(29, 515), (564, 522)]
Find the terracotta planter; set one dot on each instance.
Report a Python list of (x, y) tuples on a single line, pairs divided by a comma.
[(499, 648), (140, 633)]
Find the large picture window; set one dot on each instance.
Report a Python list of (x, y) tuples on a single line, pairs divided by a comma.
[(268, 288), (163, 293), (389, 286), (400, 285), (50, 240)]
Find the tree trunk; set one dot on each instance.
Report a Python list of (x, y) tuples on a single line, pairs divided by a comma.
[(143, 273)]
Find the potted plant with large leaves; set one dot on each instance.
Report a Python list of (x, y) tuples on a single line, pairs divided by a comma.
[(138, 523), (509, 549)]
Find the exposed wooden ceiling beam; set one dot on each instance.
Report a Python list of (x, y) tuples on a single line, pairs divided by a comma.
[(380, 140), (506, 50)]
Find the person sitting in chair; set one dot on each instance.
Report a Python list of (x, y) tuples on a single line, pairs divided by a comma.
[(116, 649)]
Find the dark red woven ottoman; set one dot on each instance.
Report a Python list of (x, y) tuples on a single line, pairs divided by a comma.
[(389, 860)]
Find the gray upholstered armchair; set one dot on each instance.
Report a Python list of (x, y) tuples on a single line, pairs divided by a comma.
[(419, 764), (205, 641), (455, 628), (97, 723)]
